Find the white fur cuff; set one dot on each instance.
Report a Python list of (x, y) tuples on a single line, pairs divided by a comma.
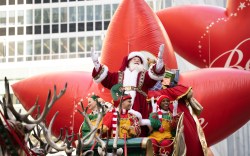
[(102, 75), (154, 75)]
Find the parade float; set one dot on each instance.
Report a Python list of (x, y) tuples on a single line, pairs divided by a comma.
[(135, 27)]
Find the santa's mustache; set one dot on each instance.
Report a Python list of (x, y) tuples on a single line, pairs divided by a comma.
[(135, 66)]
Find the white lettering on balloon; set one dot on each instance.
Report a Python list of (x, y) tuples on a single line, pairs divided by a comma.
[(235, 52), (203, 123)]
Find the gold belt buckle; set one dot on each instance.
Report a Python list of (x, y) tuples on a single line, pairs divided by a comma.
[(128, 88)]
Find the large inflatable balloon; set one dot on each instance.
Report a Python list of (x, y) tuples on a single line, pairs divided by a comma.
[(79, 85), (224, 94), (135, 27), (210, 36)]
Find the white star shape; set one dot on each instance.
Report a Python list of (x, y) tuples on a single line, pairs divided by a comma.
[(242, 5)]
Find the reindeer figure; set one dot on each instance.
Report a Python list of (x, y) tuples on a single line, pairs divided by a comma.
[(15, 127), (86, 140)]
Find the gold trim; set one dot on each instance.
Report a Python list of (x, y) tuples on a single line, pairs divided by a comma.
[(200, 132), (99, 74), (184, 94), (146, 143)]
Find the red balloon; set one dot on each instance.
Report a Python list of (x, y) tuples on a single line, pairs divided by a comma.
[(210, 36), (135, 27), (224, 94), (79, 85)]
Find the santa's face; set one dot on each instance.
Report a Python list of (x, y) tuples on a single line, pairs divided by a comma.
[(136, 64)]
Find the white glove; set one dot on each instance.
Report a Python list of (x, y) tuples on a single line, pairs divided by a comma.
[(154, 105), (175, 104), (159, 63), (94, 57), (161, 51)]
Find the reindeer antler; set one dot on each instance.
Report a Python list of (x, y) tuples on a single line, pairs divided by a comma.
[(24, 117)]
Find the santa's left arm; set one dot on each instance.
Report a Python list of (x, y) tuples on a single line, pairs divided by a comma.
[(156, 72), (159, 62)]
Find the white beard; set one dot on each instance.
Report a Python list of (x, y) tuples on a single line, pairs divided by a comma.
[(137, 67)]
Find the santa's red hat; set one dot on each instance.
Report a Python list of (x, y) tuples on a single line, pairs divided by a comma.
[(125, 97), (160, 98), (131, 55)]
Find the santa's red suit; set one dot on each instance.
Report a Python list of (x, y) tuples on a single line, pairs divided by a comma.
[(136, 83)]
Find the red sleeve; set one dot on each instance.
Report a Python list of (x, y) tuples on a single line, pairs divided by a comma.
[(107, 120)]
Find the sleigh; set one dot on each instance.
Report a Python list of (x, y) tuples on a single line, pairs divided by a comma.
[(141, 146)]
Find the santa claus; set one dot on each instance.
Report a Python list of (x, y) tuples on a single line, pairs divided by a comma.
[(134, 77)]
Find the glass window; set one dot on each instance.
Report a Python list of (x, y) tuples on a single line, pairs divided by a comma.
[(72, 45), (72, 27), (12, 31), (81, 44), (29, 1), (167, 4), (81, 13), (38, 29), (114, 7), (12, 17), (98, 43), (20, 30), (2, 18), (2, 31), (46, 46), (3, 2), (37, 1), (55, 15), (107, 11), (72, 14), (11, 2), (106, 24), (89, 42), (54, 28), (29, 30), (46, 15), (98, 25), (90, 26), (20, 17), (81, 27), (55, 45), (46, 1), (89, 13), (63, 14), (64, 47), (11, 48), (29, 47), (20, 2), (98, 12), (46, 29), (2, 49), (63, 0), (29, 17), (37, 47), (64, 28), (38, 16), (20, 48), (54, 1)]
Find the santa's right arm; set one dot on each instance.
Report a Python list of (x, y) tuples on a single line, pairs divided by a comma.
[(101, 73)]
